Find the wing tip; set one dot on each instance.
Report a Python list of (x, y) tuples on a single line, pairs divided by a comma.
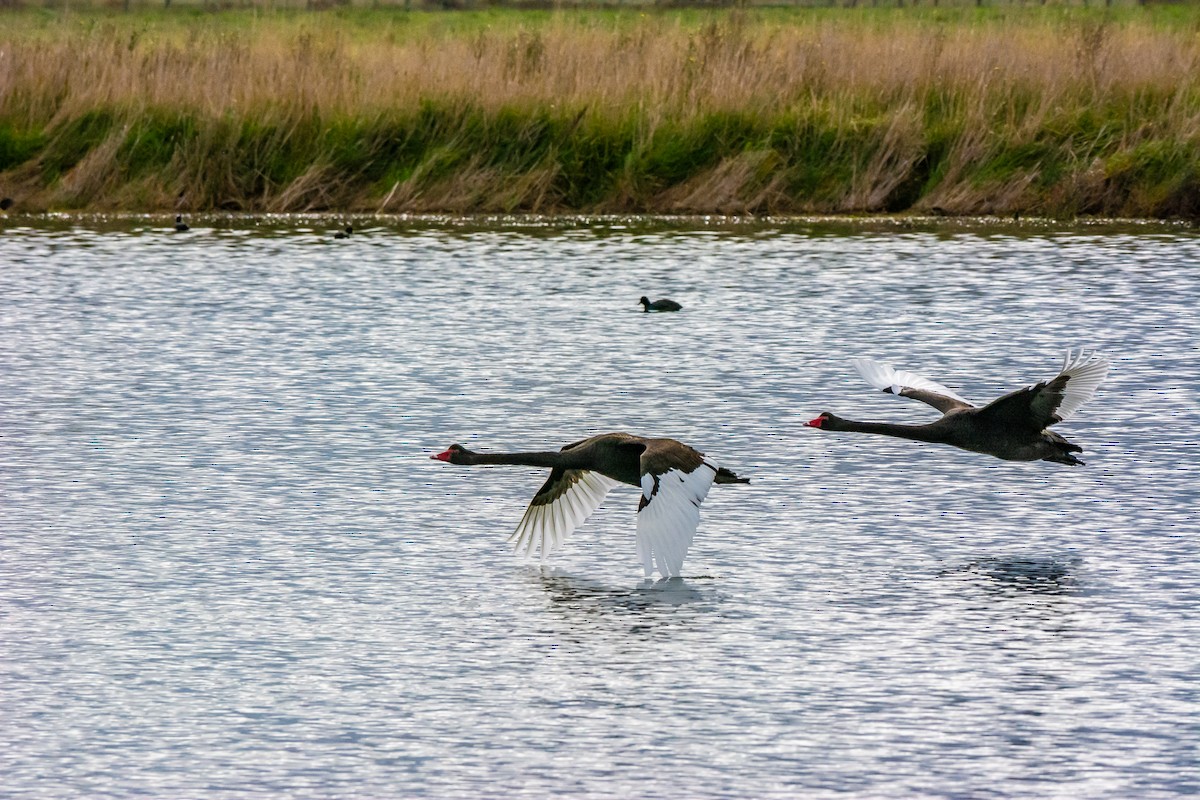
[(873, 372), (1083, 372), (667, 524), (890, 380), (1084, 359), (545, 527)]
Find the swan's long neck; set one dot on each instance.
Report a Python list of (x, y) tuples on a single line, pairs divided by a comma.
[(920, 433), (549, 459)]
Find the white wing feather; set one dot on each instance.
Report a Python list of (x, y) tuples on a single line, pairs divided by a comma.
[(667, 524), (1085, 372), (545, 527), (886, 379)]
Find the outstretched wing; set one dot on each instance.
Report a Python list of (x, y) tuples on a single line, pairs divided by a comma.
[(563, 503), (675, 480), (1048, 402), (1083, 375), (908, 384)]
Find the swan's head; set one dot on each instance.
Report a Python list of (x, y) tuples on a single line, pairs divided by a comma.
[(455, 454), (825, 421)]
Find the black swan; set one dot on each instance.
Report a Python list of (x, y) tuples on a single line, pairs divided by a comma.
[(1013, 427), (673, 477)]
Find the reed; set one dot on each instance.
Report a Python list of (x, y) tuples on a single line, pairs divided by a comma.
[(1056, 112)]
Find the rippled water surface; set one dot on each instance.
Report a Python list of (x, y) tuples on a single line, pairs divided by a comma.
[(229, 568)]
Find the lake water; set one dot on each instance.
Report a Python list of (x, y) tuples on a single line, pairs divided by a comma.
[(228, 567)]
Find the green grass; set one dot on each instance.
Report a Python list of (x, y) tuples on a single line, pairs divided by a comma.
[(994, 110), (17, 146)]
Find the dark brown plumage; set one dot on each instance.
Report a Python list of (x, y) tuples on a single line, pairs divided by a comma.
[(674, 479), (1013, 427)]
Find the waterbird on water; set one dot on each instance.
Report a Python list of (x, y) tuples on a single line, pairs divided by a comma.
[(180, 225), (659, 305), (344, 233), (1013, 427), (673, 477)]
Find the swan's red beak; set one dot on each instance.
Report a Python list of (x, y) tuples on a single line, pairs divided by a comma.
[(815, 423), (442, 456)]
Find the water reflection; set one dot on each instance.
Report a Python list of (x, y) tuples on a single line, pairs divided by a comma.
[(1024, 574), (585, 602)]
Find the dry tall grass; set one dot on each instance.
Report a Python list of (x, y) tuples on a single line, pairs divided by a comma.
[(1059, 113)]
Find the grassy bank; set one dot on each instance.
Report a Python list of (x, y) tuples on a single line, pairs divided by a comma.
[(1060, 112)]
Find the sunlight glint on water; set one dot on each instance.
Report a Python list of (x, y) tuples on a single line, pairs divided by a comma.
[(229, 566)]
